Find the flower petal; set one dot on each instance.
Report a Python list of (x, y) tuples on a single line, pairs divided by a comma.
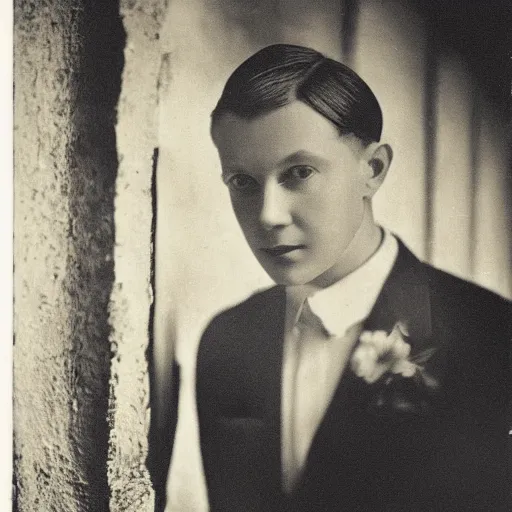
[(366, 337), (378, 371), (380, 341), (364, 360), (404, 368), (400, 349), (403, 328)]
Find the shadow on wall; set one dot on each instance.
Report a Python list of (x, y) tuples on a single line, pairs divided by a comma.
[(68, 65), (96, 89)]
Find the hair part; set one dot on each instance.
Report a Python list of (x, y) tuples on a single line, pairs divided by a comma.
[(281, 73)]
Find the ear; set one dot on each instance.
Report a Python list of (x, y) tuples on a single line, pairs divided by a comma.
[(377, 159)]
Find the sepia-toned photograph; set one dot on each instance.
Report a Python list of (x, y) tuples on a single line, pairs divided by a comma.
[(262, 256)]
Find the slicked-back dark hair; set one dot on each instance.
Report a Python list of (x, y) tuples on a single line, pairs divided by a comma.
[(281, 73)]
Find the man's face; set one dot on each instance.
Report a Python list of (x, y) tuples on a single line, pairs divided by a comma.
[(297, 190)]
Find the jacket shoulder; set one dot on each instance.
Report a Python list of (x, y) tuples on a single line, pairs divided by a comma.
[(479, 315), (234, 324), (449, 288), (234, 351), (247, 310)]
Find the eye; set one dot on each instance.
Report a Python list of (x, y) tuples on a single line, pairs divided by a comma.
[(298, 173), (242, 183), (302, 172)]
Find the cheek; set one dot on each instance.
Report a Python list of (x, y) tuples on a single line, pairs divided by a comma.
[(245, 216), (333, 220), (333, 209)]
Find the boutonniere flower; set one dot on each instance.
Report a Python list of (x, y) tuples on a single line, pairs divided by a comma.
[(386, 359)]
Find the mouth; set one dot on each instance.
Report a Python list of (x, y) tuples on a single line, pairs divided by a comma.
[(281, 250)]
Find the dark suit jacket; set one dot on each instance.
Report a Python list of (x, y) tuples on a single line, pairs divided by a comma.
[(449, 456)]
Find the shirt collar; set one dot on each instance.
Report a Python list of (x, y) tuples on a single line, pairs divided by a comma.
[(351, 299)]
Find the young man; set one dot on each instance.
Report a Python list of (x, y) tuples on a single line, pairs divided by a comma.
[(365, 380)]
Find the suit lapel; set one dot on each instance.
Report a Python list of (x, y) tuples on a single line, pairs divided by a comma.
[(347, 427), (270, 337), (405, 297)]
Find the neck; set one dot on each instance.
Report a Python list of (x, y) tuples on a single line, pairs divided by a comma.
[(363, 246)]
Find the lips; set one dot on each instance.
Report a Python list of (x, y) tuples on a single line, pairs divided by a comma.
[(280, 250)]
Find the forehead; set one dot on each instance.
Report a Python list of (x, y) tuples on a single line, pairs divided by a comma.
[(273, 137)]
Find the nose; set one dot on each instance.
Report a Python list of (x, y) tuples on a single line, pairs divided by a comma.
[(275, 208)]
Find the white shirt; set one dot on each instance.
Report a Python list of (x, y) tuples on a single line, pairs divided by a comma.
[(320, 335)]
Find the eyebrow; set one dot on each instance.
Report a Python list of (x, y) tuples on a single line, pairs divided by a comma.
[(301, 156)]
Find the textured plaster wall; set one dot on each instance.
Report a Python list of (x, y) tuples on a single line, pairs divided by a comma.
[(132, 296), (84, 162), (63, 257)]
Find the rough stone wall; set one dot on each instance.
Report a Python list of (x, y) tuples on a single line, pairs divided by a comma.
[(83, 232), (45, 356), (132, 296), (64, 237)]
